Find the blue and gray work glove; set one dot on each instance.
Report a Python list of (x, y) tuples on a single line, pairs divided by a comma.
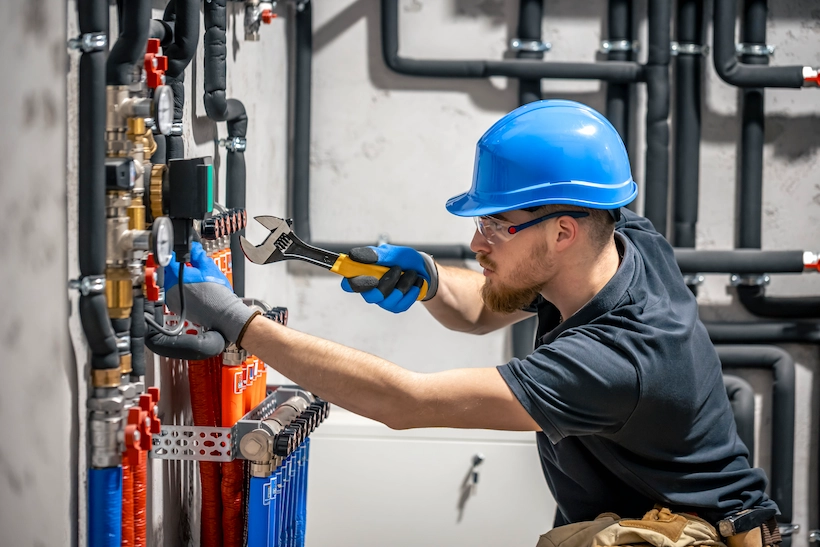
[(399, 287), (209, 298)]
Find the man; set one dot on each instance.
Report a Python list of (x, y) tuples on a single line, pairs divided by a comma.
[(624, 389)]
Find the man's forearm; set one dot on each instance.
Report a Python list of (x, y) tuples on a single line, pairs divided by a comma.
[(355, 380), (458, 304)]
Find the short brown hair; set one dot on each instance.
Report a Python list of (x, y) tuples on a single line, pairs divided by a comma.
[(600, 222)]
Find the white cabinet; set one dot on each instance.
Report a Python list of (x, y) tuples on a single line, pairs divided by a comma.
[(372, 486)]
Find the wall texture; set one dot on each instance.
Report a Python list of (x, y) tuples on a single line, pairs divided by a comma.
[(388, 150)]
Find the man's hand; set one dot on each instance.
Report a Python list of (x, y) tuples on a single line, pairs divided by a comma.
[(209, 298), (400, 286)]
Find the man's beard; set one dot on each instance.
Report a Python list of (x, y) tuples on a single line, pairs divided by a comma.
[(504, 299)]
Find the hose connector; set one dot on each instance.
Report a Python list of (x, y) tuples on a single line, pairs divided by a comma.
[(811, 76)]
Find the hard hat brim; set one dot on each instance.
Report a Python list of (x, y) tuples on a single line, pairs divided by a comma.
[(470, 204)]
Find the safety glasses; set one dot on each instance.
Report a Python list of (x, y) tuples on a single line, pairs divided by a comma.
[(496, 230)]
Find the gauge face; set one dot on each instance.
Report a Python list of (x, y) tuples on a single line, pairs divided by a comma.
[(164, 106), (163, 232)]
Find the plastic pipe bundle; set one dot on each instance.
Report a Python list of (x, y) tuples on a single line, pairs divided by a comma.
[(277, 505), (105, 506)]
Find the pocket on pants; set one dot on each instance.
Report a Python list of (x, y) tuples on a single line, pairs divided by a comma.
[(658, 528)]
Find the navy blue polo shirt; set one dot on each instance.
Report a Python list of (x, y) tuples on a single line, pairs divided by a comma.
[(630, 398)]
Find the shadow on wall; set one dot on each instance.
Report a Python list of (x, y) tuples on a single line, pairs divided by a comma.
[(482, 92)]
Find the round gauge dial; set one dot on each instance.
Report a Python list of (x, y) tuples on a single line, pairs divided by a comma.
[(163, 240), (164, 108)]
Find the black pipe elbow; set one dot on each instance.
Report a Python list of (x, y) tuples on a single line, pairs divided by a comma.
[(754, 299), (782, 367), (130, 46), (184, 15), (742, 398), (739, 74), (185, 346), (98, 332), (162, 31), (216, 53)]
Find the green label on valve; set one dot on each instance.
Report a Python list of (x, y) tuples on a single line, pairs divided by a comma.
[(210, 188)]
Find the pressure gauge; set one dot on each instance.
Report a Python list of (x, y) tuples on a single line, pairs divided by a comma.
[(163, 240), (164, 108)]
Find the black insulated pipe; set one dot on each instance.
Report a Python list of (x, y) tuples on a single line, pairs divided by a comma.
[(184, 16), (610, 71), (754, 299), (186, 346), (688, 74), (741, 73), (782, 366), (530, 14), (135, 18), (742, 398), (740, 261), (656, 176), (780, 332), (619, 29), (219, 108), (235, 187), (93, 19), (138, 326), (300, 193)]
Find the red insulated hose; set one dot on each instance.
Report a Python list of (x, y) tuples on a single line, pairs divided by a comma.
[(204, 399), (140, 472), (127, 504)]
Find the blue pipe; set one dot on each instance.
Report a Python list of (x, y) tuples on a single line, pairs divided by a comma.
[(258, 512), (275, 507), (105, 507)]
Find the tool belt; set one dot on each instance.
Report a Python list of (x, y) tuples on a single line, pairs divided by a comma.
[(660, 527)]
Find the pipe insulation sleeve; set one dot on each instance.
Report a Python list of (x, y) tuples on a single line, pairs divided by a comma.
[(520, 68), (129, 49), (301, 122), (782, 366), (530, 15), (235, 188), (105, 507), (216, 52), (739, 261), (138, 327), (656, 193), (741, 74), (184, 14), (780, 332), (188, 346), (619, 28), (742, 398), (754, 299), (688, 81)]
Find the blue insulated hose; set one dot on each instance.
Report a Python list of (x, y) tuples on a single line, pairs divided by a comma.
[(258, 512), (105, 507)]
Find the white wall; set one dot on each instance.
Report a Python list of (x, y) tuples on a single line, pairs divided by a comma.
[(388, 150)]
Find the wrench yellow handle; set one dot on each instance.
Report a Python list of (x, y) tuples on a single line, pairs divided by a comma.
[(347, 267)]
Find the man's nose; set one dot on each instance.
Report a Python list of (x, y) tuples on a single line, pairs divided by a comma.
[(480, 243)]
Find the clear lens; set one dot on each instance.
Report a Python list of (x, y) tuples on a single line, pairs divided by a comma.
[(493, 230)]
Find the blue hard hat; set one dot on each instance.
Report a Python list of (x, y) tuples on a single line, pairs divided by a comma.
[(548, 152)]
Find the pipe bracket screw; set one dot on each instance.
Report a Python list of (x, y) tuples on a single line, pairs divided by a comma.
[(535, 46), (759, 50), (92, 41), (693, 280), (236, 144), (92, 284), (814, 536), (749, 280), (619, 45), (176, 129), (688, 49)]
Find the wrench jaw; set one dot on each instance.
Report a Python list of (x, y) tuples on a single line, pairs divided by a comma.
[(261, 254)]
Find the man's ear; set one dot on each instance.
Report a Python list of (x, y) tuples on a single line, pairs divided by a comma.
[(566, 232)]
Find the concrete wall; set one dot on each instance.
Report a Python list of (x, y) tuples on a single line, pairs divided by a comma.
[(388, 150)]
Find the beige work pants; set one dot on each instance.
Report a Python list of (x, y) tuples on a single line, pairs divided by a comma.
[(658, 528)]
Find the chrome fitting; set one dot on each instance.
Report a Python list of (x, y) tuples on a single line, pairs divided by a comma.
[(233, 355), (814, 536), (107, 405), (236, 144), (534, 46), (619, 45), (811, 76), (789, 529), (93, 41), (104, 430), (760, 50), (749, 280), (176, 129), (128, 392), (688, 49), (693, 280), (92, 284)]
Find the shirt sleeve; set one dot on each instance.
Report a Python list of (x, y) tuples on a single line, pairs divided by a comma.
[(578, 384)]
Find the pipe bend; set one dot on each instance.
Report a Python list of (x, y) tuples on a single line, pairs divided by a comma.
[(185, 346), (130, 46), (754, 299)]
